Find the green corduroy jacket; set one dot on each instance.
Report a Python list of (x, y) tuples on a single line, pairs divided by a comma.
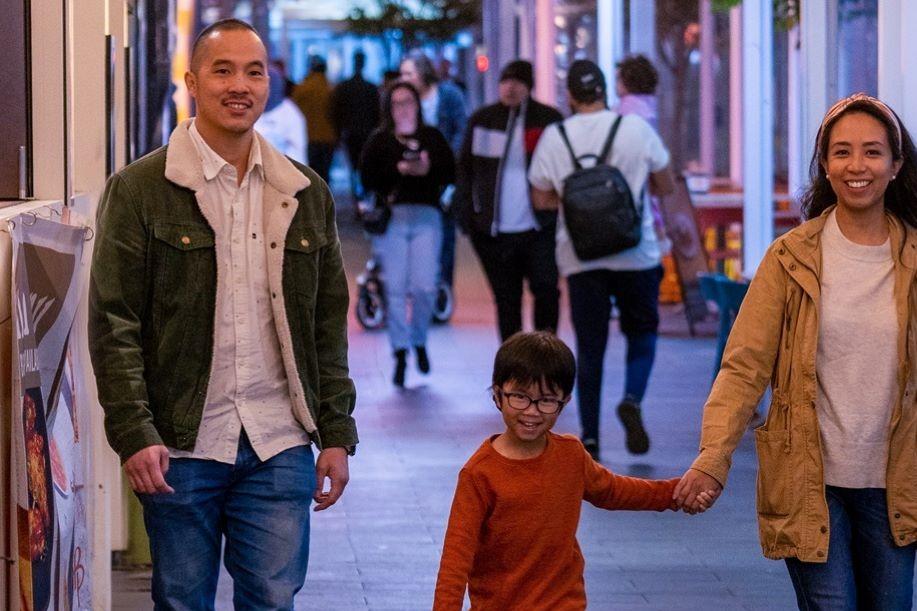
[(152, 299)]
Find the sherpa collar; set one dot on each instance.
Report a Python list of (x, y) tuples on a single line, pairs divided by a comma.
[(184, 168)]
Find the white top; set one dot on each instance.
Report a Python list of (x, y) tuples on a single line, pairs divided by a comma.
[(284, 126), (515, 205), (248, 384), (429, 105), (857, 359), (637, 152)]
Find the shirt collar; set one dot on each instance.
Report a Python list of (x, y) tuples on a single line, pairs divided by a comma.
[(211, 161)]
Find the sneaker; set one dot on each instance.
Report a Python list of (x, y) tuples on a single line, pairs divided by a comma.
[(637, 441), (592, 446), (423, 360), (401, 364)]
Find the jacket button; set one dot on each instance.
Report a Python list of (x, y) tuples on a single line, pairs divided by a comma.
[(305, 243), (824, 529), (284, 205), (185, 240), (901, 537), (897, 516), (781, 251), (820, 554), (273, 295), (792, 267), (273, 244)]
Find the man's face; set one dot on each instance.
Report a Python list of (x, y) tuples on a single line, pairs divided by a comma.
[(512, 92), (230, 83), (411, 74)]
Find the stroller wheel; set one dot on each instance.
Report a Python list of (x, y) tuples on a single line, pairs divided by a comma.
[(444, 305), (370, 309)]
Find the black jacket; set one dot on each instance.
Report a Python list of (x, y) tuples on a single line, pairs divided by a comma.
[(477, 195)]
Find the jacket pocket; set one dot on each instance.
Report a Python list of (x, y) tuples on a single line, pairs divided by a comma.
[(775, 477), (302, 254)]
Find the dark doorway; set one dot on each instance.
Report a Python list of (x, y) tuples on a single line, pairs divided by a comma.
[(16, 116)]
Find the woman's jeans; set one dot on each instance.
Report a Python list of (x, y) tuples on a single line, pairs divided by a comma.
[(865, 570), (262, 510), (409, 253)]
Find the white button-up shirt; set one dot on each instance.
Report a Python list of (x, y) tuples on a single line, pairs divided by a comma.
[(248, 385)]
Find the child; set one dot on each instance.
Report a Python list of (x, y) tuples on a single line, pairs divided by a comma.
[(512, 531)]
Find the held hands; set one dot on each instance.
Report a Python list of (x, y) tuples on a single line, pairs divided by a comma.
[(146, 470), (331, 464), (696, 492), (415, 167)]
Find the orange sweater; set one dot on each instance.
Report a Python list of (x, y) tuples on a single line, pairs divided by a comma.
[(512, 531)]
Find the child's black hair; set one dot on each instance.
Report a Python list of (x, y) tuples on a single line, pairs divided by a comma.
[(539, 358)]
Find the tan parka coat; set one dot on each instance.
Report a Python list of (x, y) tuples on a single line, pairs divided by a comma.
[(774, 341)]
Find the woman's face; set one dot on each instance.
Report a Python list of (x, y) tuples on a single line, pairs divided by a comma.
[(411, 74), (859, 161), (404, 111)]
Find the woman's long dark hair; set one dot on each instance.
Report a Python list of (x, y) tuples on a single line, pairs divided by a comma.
[(387, 124), (901, 194)]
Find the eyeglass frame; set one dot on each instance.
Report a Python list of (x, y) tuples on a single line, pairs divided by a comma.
[(499, 393)]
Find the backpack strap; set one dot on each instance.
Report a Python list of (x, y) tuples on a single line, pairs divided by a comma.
[(603, 156), (563, 134)]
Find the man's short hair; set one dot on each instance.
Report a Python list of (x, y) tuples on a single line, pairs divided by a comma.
[(638, 75), (537, 357), (223, 25)]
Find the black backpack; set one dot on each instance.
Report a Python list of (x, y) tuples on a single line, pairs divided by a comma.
[(599, 209)]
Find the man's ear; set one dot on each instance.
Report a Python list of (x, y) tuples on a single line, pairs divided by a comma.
[(191, 83)]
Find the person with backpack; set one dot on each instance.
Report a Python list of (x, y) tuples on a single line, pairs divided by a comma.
[(593, 167)]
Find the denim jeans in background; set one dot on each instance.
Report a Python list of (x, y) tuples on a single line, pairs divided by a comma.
[(409, 252), (261, 508), (865, 570)]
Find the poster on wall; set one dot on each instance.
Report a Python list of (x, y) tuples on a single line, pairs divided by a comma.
[(50, 456)]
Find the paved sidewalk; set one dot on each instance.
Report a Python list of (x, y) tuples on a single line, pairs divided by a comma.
[(379, 547)]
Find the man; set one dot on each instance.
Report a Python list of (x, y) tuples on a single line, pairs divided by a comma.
[(513, 242), (355, 114), (313, 96), (443, 107), (218, 309), (632, 276)]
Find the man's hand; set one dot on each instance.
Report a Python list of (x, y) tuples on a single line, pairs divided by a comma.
[(688, 493), (146, 470), (544, 200), (331, 464)]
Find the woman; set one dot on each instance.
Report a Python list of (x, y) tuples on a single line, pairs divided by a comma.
[(407, 164), (830, 320)]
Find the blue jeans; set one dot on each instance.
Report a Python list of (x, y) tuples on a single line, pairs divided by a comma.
[(409, 252), (865, 570), (261, 508)]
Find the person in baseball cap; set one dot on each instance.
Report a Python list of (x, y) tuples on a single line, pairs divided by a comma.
[(586, 83)]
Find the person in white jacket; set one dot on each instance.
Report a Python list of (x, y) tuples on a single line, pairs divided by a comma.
[(282, 123)]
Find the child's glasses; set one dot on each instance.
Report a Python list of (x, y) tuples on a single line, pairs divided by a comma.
[(521, 402)]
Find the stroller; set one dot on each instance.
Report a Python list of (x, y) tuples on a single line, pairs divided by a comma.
[(371, 306)]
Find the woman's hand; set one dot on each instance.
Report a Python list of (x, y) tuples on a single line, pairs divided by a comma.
[(415, 167), (687, 493)]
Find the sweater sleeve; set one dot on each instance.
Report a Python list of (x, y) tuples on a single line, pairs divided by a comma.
[(442, 160), (460, 545), (377, 167), (607, 490)]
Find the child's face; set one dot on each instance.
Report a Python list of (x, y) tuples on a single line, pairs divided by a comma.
[(528, 423)]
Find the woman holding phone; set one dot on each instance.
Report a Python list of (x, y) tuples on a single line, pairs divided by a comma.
[(407, 164)]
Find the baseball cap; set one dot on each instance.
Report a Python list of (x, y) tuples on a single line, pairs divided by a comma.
[(585, 81)]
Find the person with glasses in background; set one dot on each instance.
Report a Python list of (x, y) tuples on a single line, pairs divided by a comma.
[(511, 538)]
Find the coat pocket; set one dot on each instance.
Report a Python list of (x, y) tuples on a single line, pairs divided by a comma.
[(775, 476)]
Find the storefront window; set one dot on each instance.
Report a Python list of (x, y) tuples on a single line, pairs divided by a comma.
[(576, 38), (857, 43)]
